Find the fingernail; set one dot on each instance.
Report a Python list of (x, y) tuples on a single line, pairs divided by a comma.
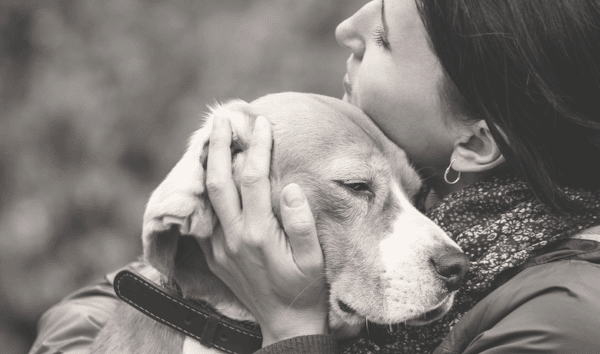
[(293, 196)]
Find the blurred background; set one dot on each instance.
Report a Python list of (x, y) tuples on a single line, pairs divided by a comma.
[(97, 100)]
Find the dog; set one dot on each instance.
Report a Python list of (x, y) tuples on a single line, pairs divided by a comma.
[(385, 262)]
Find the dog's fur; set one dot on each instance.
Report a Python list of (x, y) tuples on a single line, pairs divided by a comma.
[(377, 246)]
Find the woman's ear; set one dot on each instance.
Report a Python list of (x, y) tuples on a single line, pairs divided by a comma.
[(476, 150)]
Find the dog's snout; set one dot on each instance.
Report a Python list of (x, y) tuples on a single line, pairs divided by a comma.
[(452, 265)]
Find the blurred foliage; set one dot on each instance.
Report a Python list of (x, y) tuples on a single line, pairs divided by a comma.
[(97, 100)]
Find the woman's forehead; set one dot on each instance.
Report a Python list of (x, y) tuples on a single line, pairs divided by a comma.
[(403, 22)]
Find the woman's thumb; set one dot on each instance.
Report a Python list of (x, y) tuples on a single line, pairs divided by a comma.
[(299, 225)]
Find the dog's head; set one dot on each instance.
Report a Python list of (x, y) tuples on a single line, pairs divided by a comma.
[(385, 261)]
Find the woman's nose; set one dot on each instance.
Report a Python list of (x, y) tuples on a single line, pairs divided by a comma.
[(348, 35)]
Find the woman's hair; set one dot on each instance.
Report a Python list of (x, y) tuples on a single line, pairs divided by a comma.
[(532, 69)]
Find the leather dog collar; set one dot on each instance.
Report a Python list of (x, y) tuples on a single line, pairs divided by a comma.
[(195, 320)]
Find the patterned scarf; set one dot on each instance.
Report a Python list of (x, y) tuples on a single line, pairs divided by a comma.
[(499, 224)]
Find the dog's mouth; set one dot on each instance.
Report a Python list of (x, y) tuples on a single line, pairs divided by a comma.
[(346, 308), (348, 313), (434, 314)]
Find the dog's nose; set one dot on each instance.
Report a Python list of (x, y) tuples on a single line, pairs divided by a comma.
[(452, 265)]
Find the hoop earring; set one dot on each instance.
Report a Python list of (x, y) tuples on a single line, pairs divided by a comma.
[(448, 171)]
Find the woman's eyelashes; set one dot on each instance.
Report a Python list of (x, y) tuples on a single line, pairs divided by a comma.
[(380, 38)]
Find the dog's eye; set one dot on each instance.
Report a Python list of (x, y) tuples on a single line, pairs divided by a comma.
[(362, 189), (358, 187)]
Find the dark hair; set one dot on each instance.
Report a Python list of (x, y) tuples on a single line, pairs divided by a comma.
[(532, 69)]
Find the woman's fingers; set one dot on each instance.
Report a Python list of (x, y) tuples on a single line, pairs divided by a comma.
[(221, 189), (255, 184), (251, 253), (299, 225)]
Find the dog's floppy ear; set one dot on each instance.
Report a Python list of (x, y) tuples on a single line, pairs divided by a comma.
[(179, 206)]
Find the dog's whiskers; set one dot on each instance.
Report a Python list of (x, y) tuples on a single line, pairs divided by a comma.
[(375, 292)]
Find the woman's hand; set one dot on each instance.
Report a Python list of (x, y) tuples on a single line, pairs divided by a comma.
[(279, 278)]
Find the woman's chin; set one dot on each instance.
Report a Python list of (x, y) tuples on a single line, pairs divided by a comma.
[(350, 99)]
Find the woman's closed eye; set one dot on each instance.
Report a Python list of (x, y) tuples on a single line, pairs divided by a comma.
[(381, 32), (380, 38)]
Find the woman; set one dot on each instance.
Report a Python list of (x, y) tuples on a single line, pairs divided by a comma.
[(497, 103)]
